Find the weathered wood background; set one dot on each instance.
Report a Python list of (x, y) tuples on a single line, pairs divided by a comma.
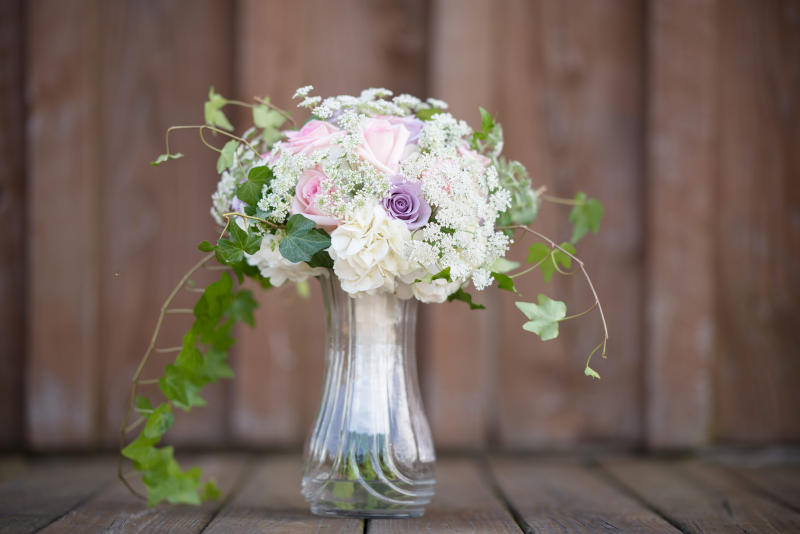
[(680, 115)]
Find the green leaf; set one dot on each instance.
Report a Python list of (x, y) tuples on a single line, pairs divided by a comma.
[(226, 156), (537, 252), (143, 405), (321, 259), (585, 216), (465, 297), (250, 191), (213, 111), (232, 250), (264, 117), (242, 307), (544, 317), (548, 267), (588, 371), (504, 282), (428, 113), (210, 492), (502, 265), (158, 422), (165, 157), (444, 274), (205, 246), (215, 365), (487, 125), (179, 388), (302, 239)]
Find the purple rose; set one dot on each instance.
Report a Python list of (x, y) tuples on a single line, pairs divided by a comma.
[(406, 203), (412, 124)]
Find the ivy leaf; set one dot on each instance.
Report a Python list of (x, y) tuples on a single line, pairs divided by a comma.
[(588, 371), (263, 117), (180, 389), (428, 113), (158, 422), (165, 157), (225, 160), (250, 191), (302, 239), (321, 259), (549, 269), (143, 405), (213, 111), (504, 282), (537, 252), (215, 365), (465, 297), (544, 317), (232, 250), (502, 265), (210, 491), (205, 246), (585, 216), (242, 307)]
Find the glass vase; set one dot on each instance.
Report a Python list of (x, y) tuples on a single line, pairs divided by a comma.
[(370, 452)]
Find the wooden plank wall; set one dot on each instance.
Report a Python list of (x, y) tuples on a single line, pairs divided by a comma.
[(680, 115)]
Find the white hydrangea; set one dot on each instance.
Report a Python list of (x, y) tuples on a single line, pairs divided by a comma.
[(368, 251), (271, 263), (436, 291)]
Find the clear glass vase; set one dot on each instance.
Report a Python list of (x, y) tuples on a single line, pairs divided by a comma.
[(370, 452)]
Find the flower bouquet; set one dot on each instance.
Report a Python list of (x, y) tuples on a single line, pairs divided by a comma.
[(387, 201)]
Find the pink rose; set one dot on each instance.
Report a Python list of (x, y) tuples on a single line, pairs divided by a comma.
[(468, 153), (314, 135), (382, 144), (305, 198)]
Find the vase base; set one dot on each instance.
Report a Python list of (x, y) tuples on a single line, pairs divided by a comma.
[(368, 514)]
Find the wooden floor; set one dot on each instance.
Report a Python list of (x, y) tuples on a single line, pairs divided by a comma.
[(734, 492)]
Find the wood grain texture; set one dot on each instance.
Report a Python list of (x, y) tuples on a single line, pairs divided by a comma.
[(562, 495), (12, 222), (116, 510), (680, 313), (62, 379), (757, 231), (457, 358), (356, 45), (701, 498), (781, 482), (570, 96), (464, 502), (48, 490), (270, 501), (157, 63)]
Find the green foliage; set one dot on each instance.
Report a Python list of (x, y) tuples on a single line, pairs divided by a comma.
[(250, 191), (428, 113), (201, 360), (231, 251), (212, 109), (504, 282), (269, 121), (444, 274), (547, 258), (165, 157), (302, 240), (502, 265), (543, 317), (487, 125), (225, 159), (585, 216), (463, 296), (205, 246), (321, 259), (513, 177)]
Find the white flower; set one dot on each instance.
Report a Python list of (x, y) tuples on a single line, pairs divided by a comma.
[(436, 291), (367, 251), (273, 265)]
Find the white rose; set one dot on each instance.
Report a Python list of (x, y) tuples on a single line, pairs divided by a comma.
[(368, 251), (271, 263)]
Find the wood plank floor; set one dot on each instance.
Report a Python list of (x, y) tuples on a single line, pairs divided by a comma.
[(744, 492)]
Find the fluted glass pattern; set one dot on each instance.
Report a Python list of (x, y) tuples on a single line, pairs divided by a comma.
[(370, 452)]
